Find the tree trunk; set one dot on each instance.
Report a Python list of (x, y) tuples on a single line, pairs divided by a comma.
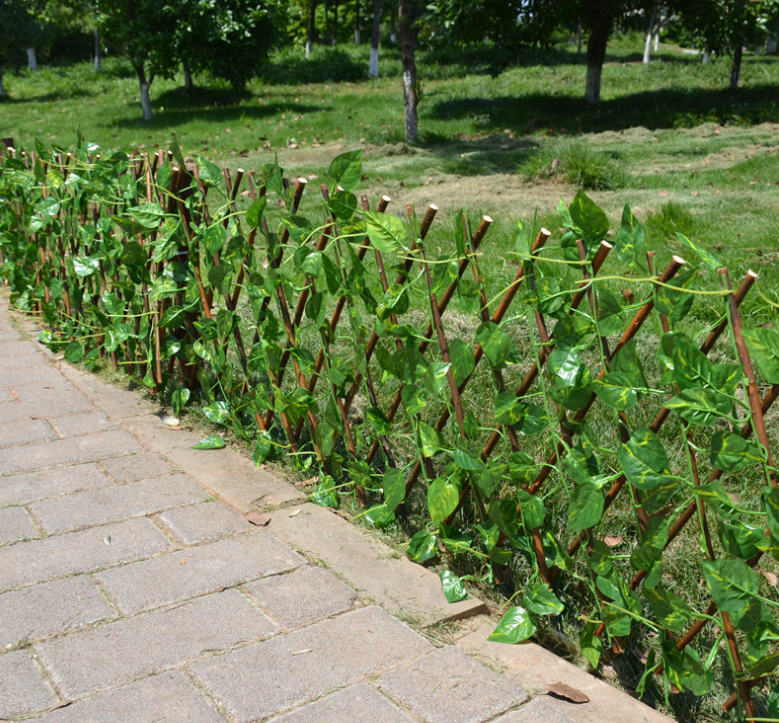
[(735, 69), (579, 39), (706, 55), (373, 64), (356, 22), (770, 45), (144, 84), (648, 43), (393, 28), (327, 22), (98, 51), (335, 22), (188, 84), (408, 38), (601, 19), (2, 84), (657, 39), (311, 29), (32, 61)]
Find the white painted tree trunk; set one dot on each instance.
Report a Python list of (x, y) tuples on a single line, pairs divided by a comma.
[(188, 84), (648, 47), (98, 51), (357, 39), (309, 48), (373, 63), (657, 40), (706, 55), (32, 61), (592, 91), (145, 99), (770, 45)]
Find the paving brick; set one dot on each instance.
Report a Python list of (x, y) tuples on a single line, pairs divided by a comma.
[(21, 687), (94, 507), (24, 431), (50, 390), (202, 523), (37, 612), (93, 660), (74, 552), (358, 703), (15, 525), (21, 489), (535, 669), (63, 452), (303, 596), (135, 467), (272, 676), (5, 396), (85, 423), (45, 407), (17, 371), (370, 566), (15, 348), (449, 687), (196, 571), (227, 473), (537, 711), (165, 698)]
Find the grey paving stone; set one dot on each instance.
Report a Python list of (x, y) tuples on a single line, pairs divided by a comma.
[(73, 552), (21, 687), (94, 507), (358, 703), (15, 525), (135, 467), (303, 596), (50, 390), (63, 452), (449, 687), (43, 407), (165, 698), (196, 571), (537, 711), (202, 523), (24, 431), (5, 396), (84, 423), (21, 489), (15, 348), (36, 612), (22, 362), (93, 660), (272, 676)]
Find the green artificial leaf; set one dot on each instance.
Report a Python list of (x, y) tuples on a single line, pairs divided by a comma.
[(211, 441), (585, 508), (497, 345), (453, 586), (217, 412), (465, 460), (732, 583), (591, 645), (730, 452), (684, 669), (461, 357), (85, 265), (179, 399), (531, 509), (214, 238), (671, 611), (256, 211), (74, 352), (342, 204), (325, 494), (210, 173), (715, 495), (432, 441), (644, 461), (697, 406), (422, 546), (394, 486), (648, 558), (149, 215), (378, 420), (675, 302), (590, 218), (739, 538), (380, 516), (522, 468), (435, 378), (509, 409), (385, 231), (770, 499), (763, 345), (540, 600), (346, 170), (630, 238), (514, 627), (709, 261), (616, 390), (442, 499)]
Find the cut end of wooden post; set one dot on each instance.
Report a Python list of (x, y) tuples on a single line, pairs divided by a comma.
[(432, 207), (486, 219), (607, 245), (386, 198), (304, 181), (751, 274), (545, 231), (240, 170), (679, 260)]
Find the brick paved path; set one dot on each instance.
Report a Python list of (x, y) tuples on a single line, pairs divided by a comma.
[(128, 593)]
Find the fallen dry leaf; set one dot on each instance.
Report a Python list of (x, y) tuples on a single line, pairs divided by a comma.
[(295, 513), (614, 540), (561, 690), (303, 652), (771, 577), (257, 518)]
